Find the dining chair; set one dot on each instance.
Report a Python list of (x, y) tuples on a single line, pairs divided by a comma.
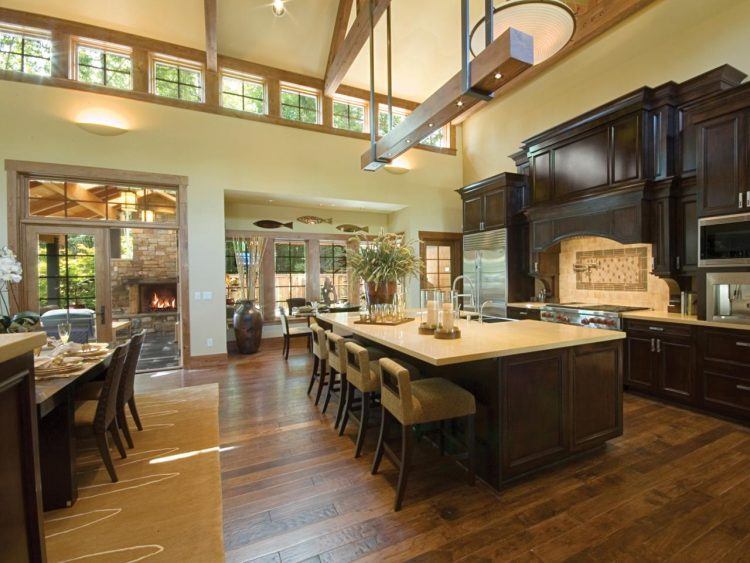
[(320, 359), (410, 403), (294, 302), (294, 332), (100, 416), (126, 393)]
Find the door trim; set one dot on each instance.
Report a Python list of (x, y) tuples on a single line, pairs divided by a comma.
[(18, 170)]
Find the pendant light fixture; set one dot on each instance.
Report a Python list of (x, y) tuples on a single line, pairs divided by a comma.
[(550, 22)]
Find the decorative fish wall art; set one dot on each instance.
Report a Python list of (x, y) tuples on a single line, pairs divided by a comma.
[(314, 220), (269, 224), (347, 228)]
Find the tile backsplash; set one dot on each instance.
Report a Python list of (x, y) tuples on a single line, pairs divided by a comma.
[(599, 270)]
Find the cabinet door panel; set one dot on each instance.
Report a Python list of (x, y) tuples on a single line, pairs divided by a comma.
[(720, 163), (726, 392), (582, 165), (626, 148), (533, 393), (676, 368), (687, 232), (494, 209), (640, 362), (596, 389), (472, 214)]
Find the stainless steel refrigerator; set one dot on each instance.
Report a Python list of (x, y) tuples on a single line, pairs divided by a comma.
[(486, 265)]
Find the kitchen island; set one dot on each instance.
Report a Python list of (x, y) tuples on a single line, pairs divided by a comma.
[(545, 392)]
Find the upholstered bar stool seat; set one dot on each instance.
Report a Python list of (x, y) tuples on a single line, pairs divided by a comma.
[(432, 399), (320, 359), (419, 402)]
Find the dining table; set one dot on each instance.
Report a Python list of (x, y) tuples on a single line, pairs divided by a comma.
[(55, 403)]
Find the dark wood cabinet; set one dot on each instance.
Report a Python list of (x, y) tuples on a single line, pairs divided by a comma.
[(725, 370), (661, 360), (686, 218), (473, 214), (21, 533), (494, 203), (722, 164), (524, 313)]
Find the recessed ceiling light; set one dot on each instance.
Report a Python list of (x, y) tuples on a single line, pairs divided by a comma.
[(460, 103), (498, 76), (431, 124), (408, 141), (278, 8)]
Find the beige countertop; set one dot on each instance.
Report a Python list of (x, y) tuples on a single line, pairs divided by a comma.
[(14, 345), (477, 342), (528, 305), (678, 318)]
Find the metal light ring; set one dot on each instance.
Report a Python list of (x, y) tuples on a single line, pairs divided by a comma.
[(515, 3)]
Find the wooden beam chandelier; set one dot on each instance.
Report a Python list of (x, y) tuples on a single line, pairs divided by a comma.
[(502, 59)]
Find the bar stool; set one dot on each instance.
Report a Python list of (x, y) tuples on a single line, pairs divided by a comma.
[(336, 364), (320, 359), (363, 374), (428, 400)]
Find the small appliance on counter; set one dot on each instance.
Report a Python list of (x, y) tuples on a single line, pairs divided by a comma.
[(728, 297)]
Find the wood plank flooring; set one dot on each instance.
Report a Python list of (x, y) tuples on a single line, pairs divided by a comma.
[(675, 487)]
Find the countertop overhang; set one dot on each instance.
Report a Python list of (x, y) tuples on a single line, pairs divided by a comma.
[(17, 344), (477, 342)]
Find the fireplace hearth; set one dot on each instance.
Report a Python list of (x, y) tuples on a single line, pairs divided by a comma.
[(157, 297)]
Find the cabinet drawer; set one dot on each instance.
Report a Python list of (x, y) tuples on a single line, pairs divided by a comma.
[(720, 389), (727, 346), (660, 328)]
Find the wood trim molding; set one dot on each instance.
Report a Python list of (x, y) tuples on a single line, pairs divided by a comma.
[(286, 235), (142, 50), (93, 173), (439, 235), (207, 361)]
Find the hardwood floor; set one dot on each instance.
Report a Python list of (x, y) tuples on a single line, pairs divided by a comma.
[(675, 486)]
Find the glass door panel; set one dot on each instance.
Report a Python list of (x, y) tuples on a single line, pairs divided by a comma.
[(64, 281), (144, 286)]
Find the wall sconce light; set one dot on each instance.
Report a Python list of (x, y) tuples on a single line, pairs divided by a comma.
[(398, 166), (278, 8), (102, 129), (101, 122)]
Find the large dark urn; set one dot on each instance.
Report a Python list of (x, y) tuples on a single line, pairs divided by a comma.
[(248, 326)]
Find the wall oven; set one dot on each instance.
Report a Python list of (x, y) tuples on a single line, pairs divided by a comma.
[(724, 241), (728, 297)]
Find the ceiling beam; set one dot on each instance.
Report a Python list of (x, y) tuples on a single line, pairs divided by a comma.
[(212, 41), (351, 45), (507, 57), (339, 30)]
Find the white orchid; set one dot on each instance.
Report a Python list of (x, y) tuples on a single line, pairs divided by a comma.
[(10, 267)]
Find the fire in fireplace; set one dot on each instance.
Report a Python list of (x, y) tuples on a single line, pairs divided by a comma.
[(157, 297)]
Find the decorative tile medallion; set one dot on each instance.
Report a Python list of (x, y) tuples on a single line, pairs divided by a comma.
[(616, 269)]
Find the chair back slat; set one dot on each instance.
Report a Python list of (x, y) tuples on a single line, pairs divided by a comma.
[(127, 379), (395, 382), (106, 408), (284, 321)]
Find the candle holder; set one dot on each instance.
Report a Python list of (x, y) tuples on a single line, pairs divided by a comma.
[(446, 328)]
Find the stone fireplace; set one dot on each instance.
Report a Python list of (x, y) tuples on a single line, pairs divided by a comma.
[(155, 297)]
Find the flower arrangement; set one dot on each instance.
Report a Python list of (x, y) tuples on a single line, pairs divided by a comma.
[(11, 273), (383, 260)]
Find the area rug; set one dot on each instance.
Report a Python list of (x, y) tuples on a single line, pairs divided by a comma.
[(166, 505)]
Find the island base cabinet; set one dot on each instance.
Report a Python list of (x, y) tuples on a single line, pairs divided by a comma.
[(556, 404)]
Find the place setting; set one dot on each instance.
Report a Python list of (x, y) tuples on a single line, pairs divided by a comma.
[(61, 358)]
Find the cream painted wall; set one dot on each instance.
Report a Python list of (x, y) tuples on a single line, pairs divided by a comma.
[(216, 153), (670, 40)]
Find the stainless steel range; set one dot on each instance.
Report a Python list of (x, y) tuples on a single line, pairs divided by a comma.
[(595, 316)]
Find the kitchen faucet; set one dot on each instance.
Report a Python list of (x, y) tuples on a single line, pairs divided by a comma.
[(471, 295)]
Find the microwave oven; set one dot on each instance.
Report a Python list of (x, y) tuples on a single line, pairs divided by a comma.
[(728, 297), (724, 241)]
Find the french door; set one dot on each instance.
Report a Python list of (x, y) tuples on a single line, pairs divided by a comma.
[(67, 273)]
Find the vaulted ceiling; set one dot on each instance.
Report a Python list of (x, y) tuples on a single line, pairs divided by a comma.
[(425, 33)]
